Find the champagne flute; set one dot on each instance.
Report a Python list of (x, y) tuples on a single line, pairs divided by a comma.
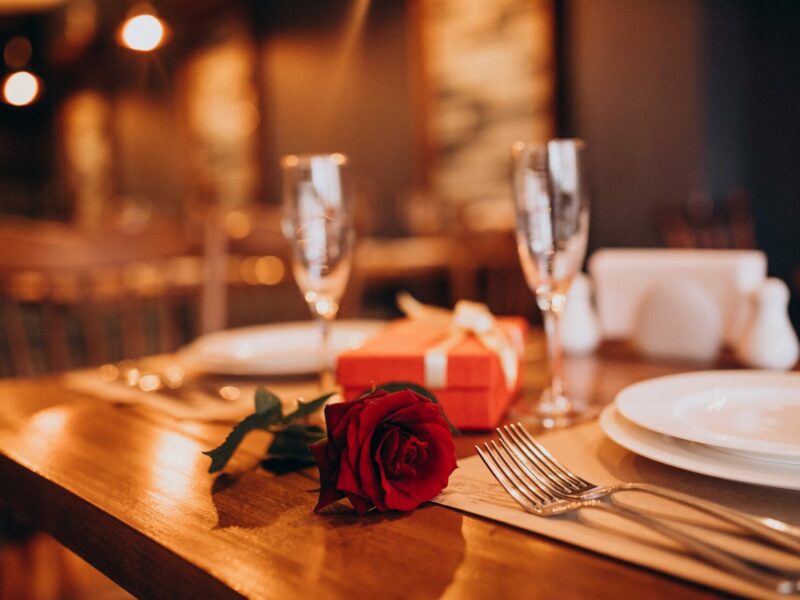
[(552, 209), (317, 222)]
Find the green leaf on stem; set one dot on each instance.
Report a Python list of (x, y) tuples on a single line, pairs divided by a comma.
[(267, 402), (288, 442), (292, 442), (222, 453), (305, 409)]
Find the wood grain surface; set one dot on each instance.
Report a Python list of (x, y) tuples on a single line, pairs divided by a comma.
[(128, 490)]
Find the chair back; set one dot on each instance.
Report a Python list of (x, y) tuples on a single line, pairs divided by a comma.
[(248, 277), (490, 272), (71, 298)]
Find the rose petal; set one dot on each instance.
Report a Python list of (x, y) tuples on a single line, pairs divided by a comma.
[(371, 474), (335, 412), (340, 420), (421, 413), (398, 498), (406, 494), (348, 480), (361, 504), (385, 450), (435, 431), (402, 497), (389, 458), (342, 439), (360, 442), (431, 476), (350, 458), (327, 475), (410, 453), (389, 491), (388, 451), (440, 462), (379, 410)]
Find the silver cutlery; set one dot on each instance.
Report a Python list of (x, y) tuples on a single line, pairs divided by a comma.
[(537, 495), (171, 381), (572, 485)]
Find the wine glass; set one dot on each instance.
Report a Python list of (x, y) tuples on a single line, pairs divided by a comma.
[(317, 222), (552, 209)]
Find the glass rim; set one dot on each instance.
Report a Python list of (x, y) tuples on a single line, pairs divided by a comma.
[(290, 161)]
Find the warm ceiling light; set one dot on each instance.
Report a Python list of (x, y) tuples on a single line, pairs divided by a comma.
[(143, 33), (21, 88)]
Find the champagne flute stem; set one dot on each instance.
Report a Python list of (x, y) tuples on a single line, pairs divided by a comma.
[(326, 377), (552, 327)]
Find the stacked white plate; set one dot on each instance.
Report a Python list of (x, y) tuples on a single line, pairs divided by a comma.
[(737, 425)]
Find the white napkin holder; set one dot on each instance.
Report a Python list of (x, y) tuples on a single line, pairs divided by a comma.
[(678, 320), (623, 278), (687, 304)]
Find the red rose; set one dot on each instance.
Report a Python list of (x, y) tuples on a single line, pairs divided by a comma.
[(392, 451)]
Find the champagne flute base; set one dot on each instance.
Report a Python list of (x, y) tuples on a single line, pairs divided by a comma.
[(327, 380), (549, 412)]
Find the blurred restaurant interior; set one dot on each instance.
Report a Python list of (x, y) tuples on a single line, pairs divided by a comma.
[(126, 158), (140, 147)]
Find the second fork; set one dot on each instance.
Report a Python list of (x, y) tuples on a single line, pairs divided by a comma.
[(535, 495)]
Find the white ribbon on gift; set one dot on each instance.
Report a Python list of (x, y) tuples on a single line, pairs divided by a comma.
[(468, 318)]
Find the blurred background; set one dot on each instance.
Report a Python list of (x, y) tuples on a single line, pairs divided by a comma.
[(139, 149)]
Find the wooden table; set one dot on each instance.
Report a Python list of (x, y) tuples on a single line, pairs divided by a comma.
[(128, 490)]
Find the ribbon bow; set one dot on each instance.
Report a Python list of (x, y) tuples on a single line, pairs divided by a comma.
[(468, 318)]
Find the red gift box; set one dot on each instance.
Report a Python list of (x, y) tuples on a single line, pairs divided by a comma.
[(476, 394)]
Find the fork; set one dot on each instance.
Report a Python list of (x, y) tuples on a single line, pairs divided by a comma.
[(570, 484), (531, 493)]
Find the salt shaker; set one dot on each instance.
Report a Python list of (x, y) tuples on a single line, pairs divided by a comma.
[(580, 328), (768, 340)]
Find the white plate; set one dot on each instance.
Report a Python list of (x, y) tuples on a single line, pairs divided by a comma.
[(279, 349), (753, 412), (695, 457)]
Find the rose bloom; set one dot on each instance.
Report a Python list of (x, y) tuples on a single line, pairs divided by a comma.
[(388, 450)]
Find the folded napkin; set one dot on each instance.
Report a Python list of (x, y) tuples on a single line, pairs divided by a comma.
[(586, 450)]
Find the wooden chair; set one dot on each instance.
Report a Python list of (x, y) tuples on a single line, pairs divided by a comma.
[(70, 298), (248, 257), (490, 272), (248, 277), (394, 264), (468, 265), (490, 268)]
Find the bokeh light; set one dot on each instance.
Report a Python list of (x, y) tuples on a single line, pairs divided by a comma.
[(17, 52), (143, 33), (21, 88)]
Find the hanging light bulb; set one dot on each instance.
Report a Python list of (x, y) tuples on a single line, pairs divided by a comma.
[(21, 88), (142, 31)]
